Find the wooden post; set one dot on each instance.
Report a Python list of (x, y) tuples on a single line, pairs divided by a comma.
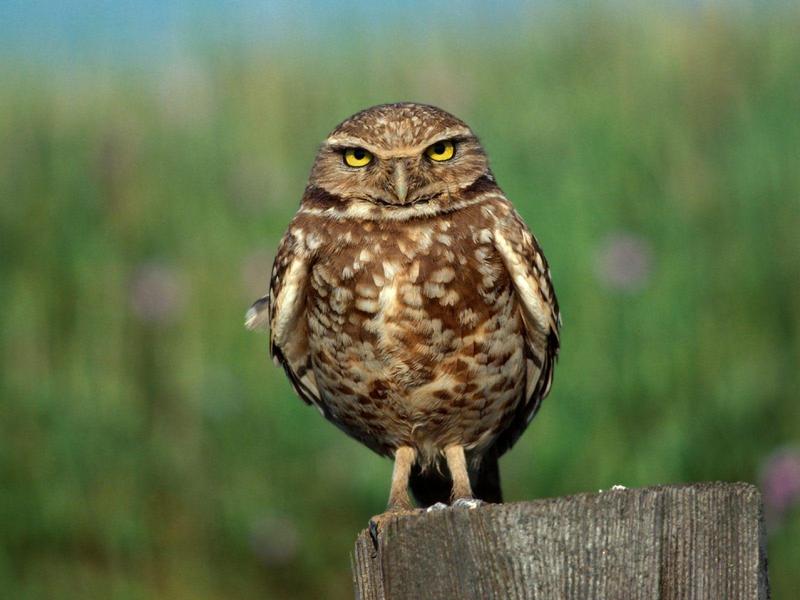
[(687, 542)]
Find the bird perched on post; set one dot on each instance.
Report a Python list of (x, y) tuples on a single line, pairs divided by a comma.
[(411, 305)]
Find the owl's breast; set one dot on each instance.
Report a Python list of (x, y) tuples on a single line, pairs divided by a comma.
[(415, 332)]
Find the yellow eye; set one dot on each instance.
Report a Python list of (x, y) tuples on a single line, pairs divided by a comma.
[(357, 157), (441, 151)]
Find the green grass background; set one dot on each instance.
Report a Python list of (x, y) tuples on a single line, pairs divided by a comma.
[(168, 458)]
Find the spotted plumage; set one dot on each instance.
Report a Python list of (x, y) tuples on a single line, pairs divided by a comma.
[(410, 303)]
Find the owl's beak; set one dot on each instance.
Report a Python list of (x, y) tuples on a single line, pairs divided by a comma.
[(400, 181)]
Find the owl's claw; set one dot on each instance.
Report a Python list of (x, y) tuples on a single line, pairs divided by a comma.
[(436, 507), (378, 522), (470, 503), (373, 533)]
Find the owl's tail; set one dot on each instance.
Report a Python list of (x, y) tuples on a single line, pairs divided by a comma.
[(434, 485)]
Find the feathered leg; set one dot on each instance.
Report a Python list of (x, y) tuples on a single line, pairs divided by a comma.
[(404, 459), (434, 486), (399, 500), (461, 494)]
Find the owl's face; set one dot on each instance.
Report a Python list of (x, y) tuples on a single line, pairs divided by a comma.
[(399, 155)]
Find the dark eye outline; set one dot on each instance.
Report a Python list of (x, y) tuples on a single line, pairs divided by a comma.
[(349, 153), (448, 145)]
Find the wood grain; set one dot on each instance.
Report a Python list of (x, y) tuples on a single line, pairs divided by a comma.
[(669, 542)]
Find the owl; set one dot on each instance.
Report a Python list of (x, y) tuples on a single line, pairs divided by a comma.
[(412, 306)]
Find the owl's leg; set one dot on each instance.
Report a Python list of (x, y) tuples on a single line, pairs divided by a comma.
[(399, 500), (404, 458), (462, 490)]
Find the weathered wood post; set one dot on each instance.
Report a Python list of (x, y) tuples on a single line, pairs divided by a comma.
[(689, 542)]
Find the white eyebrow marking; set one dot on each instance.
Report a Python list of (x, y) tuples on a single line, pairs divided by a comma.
[(345, 140)]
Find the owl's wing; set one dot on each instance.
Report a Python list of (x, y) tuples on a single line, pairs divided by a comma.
[(284, 311), (530, 274)]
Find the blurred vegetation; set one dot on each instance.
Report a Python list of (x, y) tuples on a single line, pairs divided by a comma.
[(150, 450)]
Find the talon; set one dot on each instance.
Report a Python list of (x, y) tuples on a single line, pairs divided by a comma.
[(436, 507), (373, 533), (470, 503), (379, 522)]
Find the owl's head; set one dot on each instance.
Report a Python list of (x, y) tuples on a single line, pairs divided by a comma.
[(399, 155)]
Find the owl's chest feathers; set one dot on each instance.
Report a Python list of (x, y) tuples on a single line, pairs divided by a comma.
[(398, 292), (420, 320)]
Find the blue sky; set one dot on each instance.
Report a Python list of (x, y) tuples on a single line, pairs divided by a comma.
[(112, 30), (88, 32)]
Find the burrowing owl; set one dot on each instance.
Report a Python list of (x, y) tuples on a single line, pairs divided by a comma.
[(411, 305)]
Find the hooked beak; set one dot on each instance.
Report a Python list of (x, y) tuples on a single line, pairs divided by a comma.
[(400, 181)]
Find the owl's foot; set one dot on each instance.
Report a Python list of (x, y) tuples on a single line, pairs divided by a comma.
[(467, 503), (379, 522), (436, 507)]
